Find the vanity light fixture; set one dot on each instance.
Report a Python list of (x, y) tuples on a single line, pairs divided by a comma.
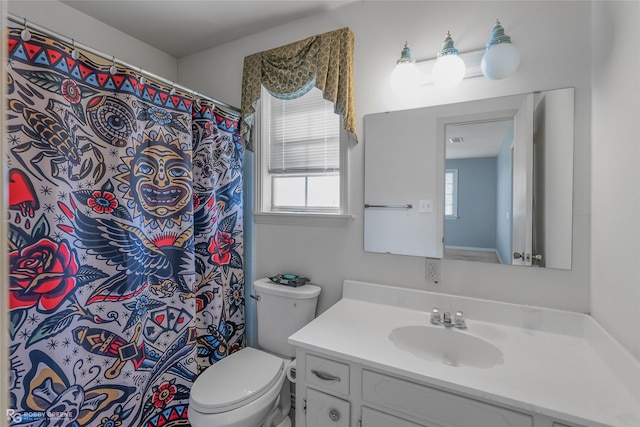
[(501, 58), (449, 69), (405, 75)]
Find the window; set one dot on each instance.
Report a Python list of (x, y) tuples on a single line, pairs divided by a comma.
[(301, 157), (451, 193)]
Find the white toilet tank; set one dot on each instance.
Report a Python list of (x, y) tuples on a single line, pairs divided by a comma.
[(281, 311)]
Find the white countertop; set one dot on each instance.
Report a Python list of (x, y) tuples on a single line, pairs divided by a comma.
[(556, 363)]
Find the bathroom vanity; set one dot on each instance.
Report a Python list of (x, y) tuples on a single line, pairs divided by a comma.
[(375, 360)]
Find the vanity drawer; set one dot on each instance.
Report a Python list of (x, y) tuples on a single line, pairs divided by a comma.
[(436, 406), (328, 374)]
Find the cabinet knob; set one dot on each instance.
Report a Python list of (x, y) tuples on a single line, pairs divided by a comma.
[(334, 415)]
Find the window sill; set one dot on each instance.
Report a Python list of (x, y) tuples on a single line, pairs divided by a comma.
[(302, 218)]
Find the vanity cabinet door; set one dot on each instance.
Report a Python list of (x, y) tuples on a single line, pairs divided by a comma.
[(324, 410), (373, 418)]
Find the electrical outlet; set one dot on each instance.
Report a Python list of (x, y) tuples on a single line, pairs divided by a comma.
[(433, 270)]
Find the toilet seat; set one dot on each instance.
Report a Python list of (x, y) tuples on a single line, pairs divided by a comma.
[(235, 381)]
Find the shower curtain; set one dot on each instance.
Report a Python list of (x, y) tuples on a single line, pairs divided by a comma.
[(126, 241)]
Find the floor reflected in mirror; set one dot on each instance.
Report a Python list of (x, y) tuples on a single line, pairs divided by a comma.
[(471, 255)]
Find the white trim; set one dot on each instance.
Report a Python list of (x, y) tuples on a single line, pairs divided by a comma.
[(470, 248), (302, 218), (344, 169), (4, 207), (263, 191), (454, 193)]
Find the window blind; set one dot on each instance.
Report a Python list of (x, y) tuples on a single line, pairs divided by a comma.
[(304, 135)]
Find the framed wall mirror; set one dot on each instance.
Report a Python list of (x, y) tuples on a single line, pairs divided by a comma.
[(500, 190)]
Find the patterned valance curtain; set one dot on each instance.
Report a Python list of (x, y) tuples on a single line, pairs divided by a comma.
[(288, 72)]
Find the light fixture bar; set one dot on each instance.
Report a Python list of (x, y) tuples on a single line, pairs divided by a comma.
[(471, 59)]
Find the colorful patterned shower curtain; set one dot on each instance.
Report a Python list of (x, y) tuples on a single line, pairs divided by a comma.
[(126, 261)]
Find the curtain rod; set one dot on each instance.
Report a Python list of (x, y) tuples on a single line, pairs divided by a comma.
[(61, 38)]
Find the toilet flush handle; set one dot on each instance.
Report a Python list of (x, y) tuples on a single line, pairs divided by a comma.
[(255, 297)]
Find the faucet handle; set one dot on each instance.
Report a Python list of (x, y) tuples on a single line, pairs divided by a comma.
[(447, 318), (435, 315), (459, 320)]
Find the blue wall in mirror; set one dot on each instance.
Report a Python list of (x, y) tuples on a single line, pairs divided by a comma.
[(475, 226)]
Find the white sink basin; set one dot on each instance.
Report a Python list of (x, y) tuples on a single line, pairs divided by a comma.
[(450, 346)]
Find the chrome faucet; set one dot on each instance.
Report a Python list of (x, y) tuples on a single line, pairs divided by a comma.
[(445, 319)]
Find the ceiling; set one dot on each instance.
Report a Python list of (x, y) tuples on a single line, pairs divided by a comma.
[(479, 139), (183, 27)]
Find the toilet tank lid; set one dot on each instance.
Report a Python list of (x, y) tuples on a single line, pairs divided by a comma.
[(301, 292)]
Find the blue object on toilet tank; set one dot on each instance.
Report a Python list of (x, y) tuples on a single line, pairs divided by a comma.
[(287, 279)]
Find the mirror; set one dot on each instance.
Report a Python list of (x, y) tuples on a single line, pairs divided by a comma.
[(499, 189)]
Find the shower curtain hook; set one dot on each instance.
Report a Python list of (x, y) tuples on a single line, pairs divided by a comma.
[(173, 89), (25, 35), (113, 69), (75, 54), (143, 79)]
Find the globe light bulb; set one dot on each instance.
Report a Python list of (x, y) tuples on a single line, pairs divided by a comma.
[(501, 59), (405, 75), (449, 69)]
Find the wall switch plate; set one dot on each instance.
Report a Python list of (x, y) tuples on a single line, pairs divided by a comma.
[(425, 206), (433, 270)]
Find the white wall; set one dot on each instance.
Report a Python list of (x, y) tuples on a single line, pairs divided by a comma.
[(554, 42), (615, 229), (62, 19), (553, 38)]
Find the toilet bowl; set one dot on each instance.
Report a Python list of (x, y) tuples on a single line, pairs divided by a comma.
[(242, 390), (249, 388)]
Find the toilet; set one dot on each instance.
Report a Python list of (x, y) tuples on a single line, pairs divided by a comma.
[(249, 388)]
